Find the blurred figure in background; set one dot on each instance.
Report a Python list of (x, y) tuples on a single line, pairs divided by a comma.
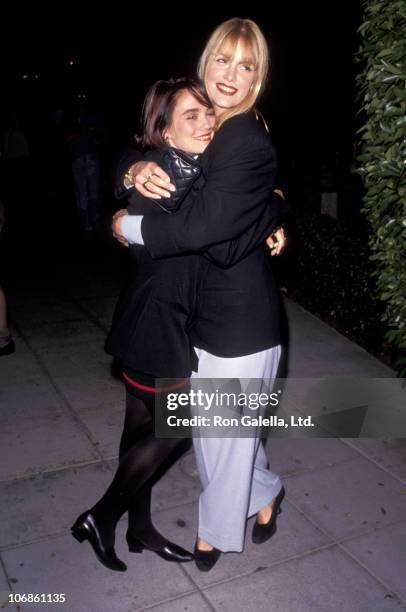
[(6, 342), (84, 138)]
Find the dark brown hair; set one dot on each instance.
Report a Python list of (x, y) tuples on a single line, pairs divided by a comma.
[(158, 108)]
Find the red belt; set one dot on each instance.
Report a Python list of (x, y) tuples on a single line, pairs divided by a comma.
[(134, 383)]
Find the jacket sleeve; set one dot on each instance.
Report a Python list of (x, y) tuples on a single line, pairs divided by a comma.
[(134, 199), (228, 253), (235, 195), (123, 163)]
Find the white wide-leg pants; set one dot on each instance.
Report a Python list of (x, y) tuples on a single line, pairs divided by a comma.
[(234, 472)]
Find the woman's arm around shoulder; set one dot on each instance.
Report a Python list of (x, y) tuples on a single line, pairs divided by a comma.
[(239, 181)]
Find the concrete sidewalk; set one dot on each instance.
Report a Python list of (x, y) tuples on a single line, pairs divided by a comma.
[(341, 540)]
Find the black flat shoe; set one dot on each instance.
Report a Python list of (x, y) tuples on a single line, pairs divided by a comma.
[(262, 533), (170, 551), (206, 559), (85, 528)]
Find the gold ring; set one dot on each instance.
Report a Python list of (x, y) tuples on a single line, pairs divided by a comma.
[(148, 177)]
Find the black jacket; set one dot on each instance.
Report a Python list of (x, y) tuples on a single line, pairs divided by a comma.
[(151, 321), (226, 217)]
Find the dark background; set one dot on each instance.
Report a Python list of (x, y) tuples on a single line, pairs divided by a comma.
[(117, 56), (50, 57)]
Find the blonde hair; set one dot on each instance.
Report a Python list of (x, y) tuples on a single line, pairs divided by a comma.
[(230, 33)]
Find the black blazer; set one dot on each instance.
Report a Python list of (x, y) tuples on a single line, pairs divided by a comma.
[(151, 321), (155, 312), (231, 208)]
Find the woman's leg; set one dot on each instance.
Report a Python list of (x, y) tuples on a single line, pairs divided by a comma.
[(265, 485), (139, 512), (138, 424), (236, 484), (138, 463), (262, 474), (235, 479), (223, 503)]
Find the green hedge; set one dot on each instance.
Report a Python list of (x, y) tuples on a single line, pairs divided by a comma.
[(331, 276), (382, 159)]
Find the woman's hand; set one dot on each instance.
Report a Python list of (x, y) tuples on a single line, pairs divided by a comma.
[(277, 241), (150, 180), (280, 193), (116, 226)]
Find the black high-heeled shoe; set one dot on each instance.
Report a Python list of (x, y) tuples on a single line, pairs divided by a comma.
[(85, 528), (170, 551), (262, 533), (206, 559)]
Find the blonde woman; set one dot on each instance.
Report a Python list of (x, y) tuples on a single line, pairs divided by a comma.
[(237, 321)]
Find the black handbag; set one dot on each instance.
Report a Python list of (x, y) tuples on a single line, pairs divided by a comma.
[(183, 170)]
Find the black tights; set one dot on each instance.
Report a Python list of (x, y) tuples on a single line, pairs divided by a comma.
[(143, 459)]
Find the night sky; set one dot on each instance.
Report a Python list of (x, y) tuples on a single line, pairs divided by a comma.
[(309, 102), (49, 56)]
